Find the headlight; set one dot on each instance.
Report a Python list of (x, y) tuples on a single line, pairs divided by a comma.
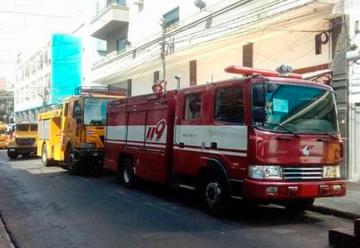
[(265, 172), (331, 171)]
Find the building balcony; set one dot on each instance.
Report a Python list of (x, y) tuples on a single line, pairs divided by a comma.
[(114, 17)]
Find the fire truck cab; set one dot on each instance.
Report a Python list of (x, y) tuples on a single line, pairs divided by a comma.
[(264, 137), (73, 134)]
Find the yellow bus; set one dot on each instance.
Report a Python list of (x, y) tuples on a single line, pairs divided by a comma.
[(23, 141)]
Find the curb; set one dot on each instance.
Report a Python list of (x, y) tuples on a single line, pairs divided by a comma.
[(335, 212), (5, 239)]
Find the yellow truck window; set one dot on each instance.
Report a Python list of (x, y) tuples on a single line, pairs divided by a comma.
[(22, 127), (44, 129)]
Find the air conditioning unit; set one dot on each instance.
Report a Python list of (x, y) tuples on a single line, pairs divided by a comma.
[(138, 2)]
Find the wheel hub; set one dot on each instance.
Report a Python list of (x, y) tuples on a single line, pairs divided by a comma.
[(212, 193), (126, 175)]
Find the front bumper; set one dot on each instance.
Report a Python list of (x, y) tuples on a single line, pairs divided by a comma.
[(21, 150), (266, 190), (86, 153)]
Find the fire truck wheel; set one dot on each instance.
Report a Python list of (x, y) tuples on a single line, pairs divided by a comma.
[(299, 206), (127, 173), (44, 157), (12, 155), (214, 194), (73, 166)]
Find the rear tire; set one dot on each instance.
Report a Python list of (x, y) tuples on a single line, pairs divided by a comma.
[(127, 173), (12, 155), (299, 206), (214, 194), (44, 156), (72, 164)]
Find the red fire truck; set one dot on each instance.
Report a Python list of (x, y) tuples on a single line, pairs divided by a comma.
[(267, 137)]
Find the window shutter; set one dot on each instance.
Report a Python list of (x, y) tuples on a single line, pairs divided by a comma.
[(193, 73), (248, 55)]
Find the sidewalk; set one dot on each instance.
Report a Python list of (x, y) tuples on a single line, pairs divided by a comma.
[(4, 237), (347, 206)]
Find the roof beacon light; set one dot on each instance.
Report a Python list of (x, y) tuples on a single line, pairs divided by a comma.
[(249, 71)]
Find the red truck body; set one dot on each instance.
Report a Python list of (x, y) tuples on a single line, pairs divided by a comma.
[(177, 137)]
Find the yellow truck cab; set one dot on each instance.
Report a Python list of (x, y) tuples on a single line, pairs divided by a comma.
[(4, 136), (72, 135), (23, 141)]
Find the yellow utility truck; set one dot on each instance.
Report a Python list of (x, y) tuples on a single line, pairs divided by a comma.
[(23, 141), (72, 135), (4, 136)]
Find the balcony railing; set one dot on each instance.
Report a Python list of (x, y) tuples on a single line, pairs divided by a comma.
[(111, 3)]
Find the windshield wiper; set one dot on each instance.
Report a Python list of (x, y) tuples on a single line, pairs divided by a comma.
[(285, 128), (325, 132)]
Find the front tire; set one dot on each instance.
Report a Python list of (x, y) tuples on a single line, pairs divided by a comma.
[(44, 156), (127, 173), (214, 194), (12, 155), (72, 164)]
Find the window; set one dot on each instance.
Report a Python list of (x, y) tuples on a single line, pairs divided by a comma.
[(248, 55), (33, 127), (121, 45), (77, 109), (171, 19), (156, 76), (192, 106), (229, 105), (192, 73)]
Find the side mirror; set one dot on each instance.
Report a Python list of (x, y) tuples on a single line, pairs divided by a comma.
[(258, 114)]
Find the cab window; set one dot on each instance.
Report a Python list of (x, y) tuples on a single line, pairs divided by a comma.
[(229, 105), (192, 106), (33, 127), (77, 109), (22, 127)]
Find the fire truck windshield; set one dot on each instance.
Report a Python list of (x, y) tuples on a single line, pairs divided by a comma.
[(294, 108), (95, 111)]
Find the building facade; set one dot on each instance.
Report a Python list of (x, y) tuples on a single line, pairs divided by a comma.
[(47, 76), (353, 14), (201, 40)]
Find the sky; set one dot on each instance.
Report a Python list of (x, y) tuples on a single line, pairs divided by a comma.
[(27, 24)]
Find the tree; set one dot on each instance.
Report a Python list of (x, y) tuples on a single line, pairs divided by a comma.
[(6, 105)]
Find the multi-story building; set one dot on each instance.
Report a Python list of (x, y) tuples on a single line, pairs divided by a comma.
[(203, 37), (198, 39), (353, 14), (47, 76), (3, 84)]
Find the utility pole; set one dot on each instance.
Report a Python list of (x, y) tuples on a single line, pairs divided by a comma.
[(163, 49)]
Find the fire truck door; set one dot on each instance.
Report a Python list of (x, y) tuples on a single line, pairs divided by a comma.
[(77, 121), (189, 141)]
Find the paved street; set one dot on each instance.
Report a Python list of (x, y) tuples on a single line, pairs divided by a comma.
[(47, 207)]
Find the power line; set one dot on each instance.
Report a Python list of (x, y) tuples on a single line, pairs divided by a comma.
[(31, 14)]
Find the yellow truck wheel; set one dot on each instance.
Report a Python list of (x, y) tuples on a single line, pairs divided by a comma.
[(12, 154)]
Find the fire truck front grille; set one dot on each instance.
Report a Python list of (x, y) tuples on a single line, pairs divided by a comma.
[(24, 141), (302, 173)]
